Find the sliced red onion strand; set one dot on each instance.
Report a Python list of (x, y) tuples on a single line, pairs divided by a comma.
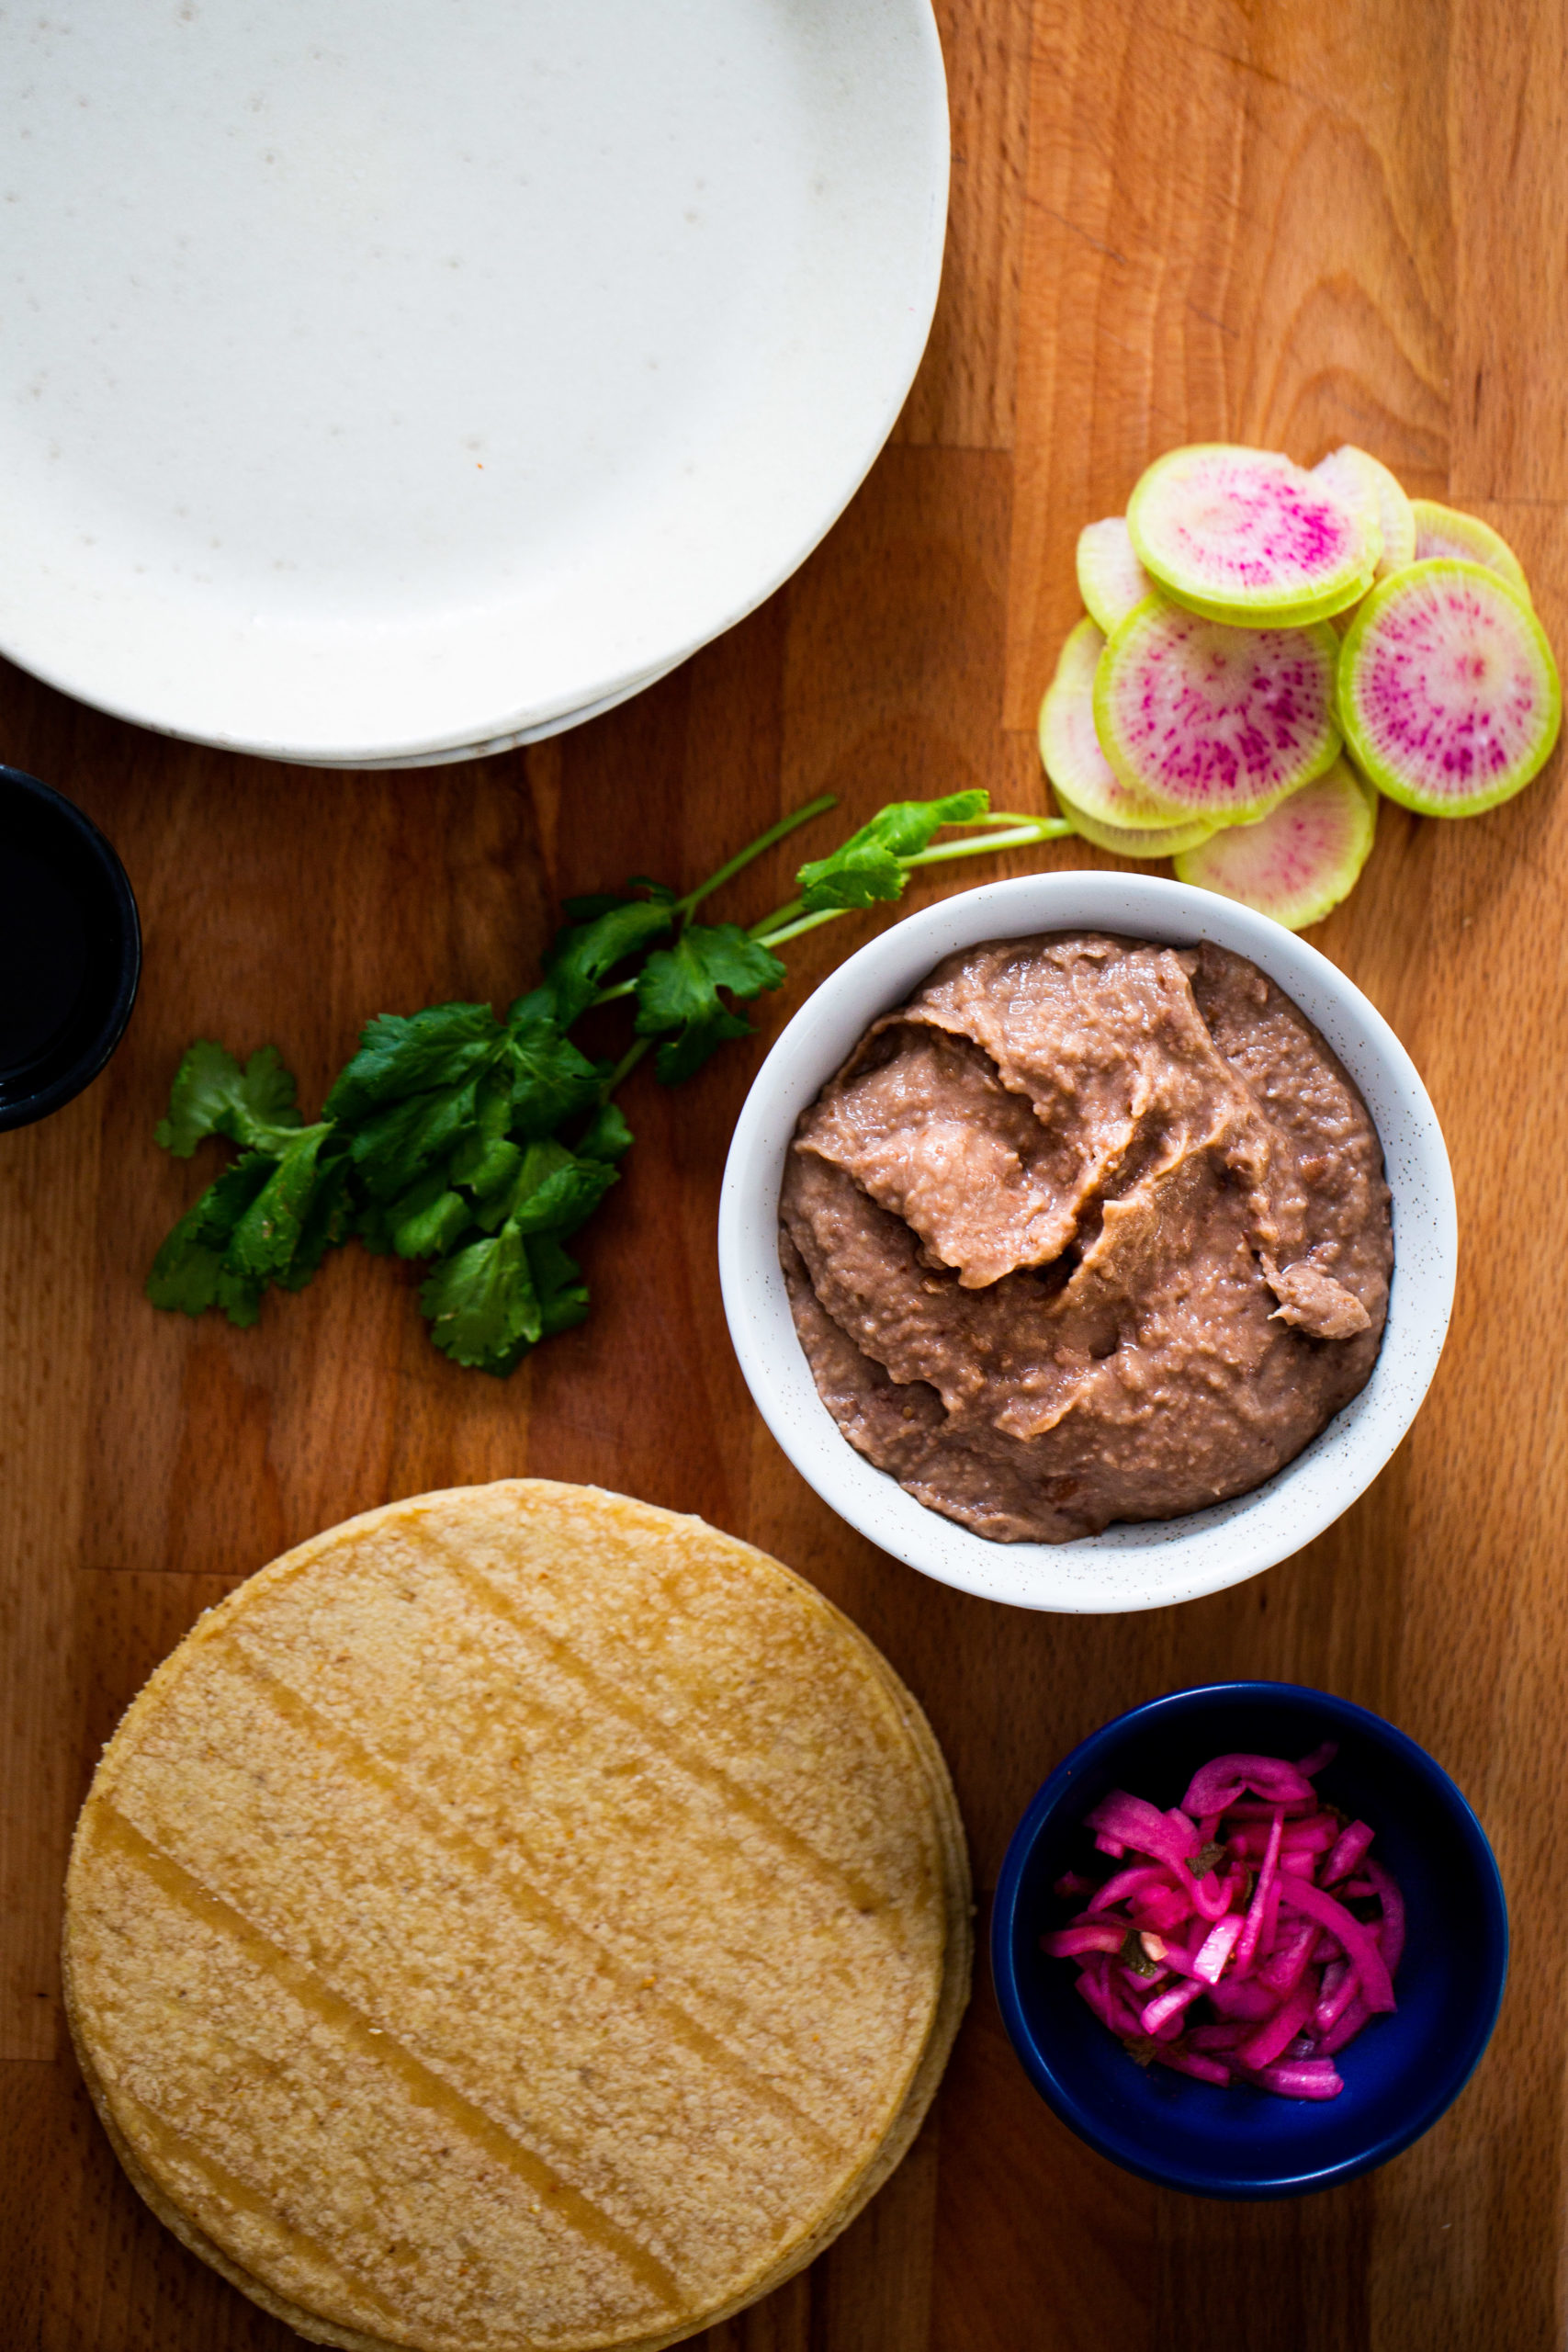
[(1216, 1949), (1354, 2016), (1391, 1936), (1133, 1822), (1299, 2080), (1124, 1883), (1246, 1943), (1354, 1940), (1348, 1848), (1189, 2061), (1218, 1786), (1277, 2031)]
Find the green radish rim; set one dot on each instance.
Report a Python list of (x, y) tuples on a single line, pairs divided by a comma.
[(1356, 659), (1070, 749), (1322, 561), (1303, 739), (1140, 842), (1293, 616), (1110, 578), (1230, 863), (1390, 502), (1450, 533)]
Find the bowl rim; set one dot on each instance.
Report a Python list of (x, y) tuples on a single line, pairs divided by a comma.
[(1131, 1566), (26, 1110), (1348, 1715)]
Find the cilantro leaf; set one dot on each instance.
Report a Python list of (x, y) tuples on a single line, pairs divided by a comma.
[(211, 1095), (400, 1057), (557, 1283), (394, 1148), (374, 1222), (678, 984), (680, 1056), (485, 1164), (188, 1274), (585, 951), (866, 867), (608, 1135), (551, 1081), (678, 988), (555, 1189), (239, 1297), (482, 1305), (263, 1240), (326, 1224), (184, 1277), (228, 1197), (429, 1219)]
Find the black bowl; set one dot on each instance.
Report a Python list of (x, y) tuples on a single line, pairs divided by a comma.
[(70, 950), (1400, 2072)]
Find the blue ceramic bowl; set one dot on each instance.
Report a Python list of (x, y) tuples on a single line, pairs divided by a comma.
[(70, 950), (1400, 2072)]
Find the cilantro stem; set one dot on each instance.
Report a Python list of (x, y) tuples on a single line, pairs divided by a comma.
[(1002, 831), (799, 923), (790, 920), (688, 906), (1027, 830), (626, 1063)]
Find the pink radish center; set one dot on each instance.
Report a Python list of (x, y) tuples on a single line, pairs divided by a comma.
[(1217, 718), (1449, 688), (1248, 530), (1303, 842), (1297, 862), (1254, 536)]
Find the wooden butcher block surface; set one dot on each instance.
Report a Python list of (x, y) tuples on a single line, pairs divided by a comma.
[(1172, 220)]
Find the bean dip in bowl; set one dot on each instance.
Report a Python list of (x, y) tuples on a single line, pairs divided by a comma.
[(1340, 1354)]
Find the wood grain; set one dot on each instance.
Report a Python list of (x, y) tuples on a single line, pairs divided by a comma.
[(1171, 220)]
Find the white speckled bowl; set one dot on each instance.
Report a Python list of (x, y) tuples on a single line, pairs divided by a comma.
[(1130, 1566)]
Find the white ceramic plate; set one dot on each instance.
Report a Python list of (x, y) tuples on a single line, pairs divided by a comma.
[(381, 380), (1131, 1566)]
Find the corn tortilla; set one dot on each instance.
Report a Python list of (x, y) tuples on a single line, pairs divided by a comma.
[(520, 1919)]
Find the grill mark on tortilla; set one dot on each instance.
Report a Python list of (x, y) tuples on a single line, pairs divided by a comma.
[(863, 1895), (409, 1797), (157, 2135), (380, 2048)]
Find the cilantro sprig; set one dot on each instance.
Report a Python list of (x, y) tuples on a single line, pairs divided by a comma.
[(480, 1146)]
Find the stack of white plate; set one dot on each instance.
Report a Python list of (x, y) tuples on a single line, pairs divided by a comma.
[(387, 383)]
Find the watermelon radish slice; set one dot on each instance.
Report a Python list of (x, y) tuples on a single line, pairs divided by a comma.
[(1245, 537), (1300, 860), (1069, 747), (1448, 691), (1355, 476), (1443, 530), (1110, 578), (1129, 841), (1207, 720)]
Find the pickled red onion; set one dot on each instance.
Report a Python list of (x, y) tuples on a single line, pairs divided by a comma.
[(1242, 1967)]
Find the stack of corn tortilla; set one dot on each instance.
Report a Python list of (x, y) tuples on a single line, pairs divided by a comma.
[(519, 1918)]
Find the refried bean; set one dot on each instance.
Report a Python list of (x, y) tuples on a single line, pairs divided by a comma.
[(1087, 1230)]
